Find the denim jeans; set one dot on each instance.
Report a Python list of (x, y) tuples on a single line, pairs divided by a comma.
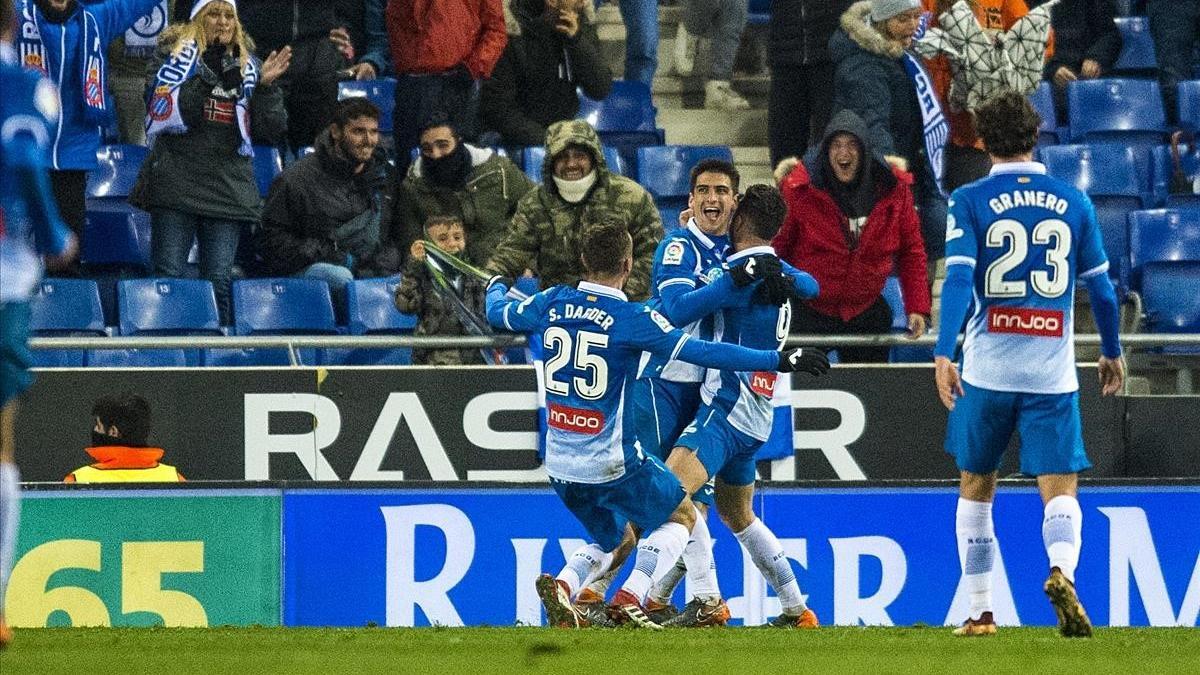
[(722, 21), (641, 39), (171, 236), (337, 277)]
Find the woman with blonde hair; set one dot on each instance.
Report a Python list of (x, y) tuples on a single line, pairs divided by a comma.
[(211, 101)]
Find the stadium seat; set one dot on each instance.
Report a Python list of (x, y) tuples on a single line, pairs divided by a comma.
[(167, 307), (138, 358), (282, 306), (381, 92), (759, 12), (1042, 99), (1137, 47), (663, 170), (65, 308), (1162, 169), (242, 358), (1189, 104), (267, 165), (1163, 236), (533, 157), (115, 233), (1165, 252), (1116, 111), (1171, 298), (372, 311), (116, 172), (627, 119)]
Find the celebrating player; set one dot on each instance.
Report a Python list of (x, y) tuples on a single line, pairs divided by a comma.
[(594, 342), (29, 225), (735, 417), (1016, 240)]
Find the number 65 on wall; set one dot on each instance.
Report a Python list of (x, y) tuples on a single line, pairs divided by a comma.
[(30, 603)]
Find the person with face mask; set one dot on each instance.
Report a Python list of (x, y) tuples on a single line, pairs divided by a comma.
[(577, 187), (121, 445), (450, 177), (850, 222), (552, 50), (212, 100), (328, 215)]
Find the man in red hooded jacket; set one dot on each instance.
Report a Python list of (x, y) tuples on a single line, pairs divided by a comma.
[(850, 222)]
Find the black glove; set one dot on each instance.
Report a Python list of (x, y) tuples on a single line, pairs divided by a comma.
[(755, 268), (776, 290), (805, 360), (507, 282)]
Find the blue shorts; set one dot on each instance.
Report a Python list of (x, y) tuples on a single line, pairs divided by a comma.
[(645, 496), (724, 451), (662, 409), (982, 423), (15, 358)]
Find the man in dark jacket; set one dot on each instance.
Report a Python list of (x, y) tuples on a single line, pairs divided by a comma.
[(801, 73), (1086, 44), (327, 214), (552, 49), (1175, 27), (868, 52), (850, 221)]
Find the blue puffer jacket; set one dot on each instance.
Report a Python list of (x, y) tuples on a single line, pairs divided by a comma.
[(74, 145)]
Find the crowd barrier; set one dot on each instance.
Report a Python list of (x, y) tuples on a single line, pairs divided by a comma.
[(324, 555)]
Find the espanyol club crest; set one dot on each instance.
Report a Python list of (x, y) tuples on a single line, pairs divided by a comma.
[(161, 105)]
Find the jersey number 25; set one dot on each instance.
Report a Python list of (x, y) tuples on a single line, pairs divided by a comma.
[(558, 342), (1014, 238)]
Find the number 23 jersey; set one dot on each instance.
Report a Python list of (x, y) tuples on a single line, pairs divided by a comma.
[(1028, 236)]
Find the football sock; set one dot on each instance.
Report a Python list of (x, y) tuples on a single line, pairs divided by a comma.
[(656, 555), (1062, 530), (10, 514), (662, 591), (698, 558), (602, 582), (976, 552), (767, 554), (583, 567)]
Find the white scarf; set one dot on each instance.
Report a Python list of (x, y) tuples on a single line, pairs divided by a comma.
[(573, 191)]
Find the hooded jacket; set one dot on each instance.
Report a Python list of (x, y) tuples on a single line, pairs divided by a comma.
[(816, 237), (534, 83), (319, 210), (485, 203), (544, 235), (870, 80)]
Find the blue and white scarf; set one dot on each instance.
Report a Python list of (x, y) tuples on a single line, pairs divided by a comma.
[(32, 51), (935, 128), (162, 112)]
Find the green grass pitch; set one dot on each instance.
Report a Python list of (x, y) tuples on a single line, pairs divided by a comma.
[(245, 651)]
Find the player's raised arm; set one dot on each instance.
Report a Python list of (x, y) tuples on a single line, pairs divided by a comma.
[(683, 306), (521, 316), (656, 335)]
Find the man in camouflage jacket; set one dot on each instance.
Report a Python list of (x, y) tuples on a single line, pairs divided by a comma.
[(577, 189)]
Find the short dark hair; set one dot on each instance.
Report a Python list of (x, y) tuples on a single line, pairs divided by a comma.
[(604, 246), (763, 209), (129, 413), (353, 108), (437, 118), (712, 165), (1008, 124), (448, 221)]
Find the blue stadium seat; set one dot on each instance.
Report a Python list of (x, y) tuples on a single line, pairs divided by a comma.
[(759, 12), (627, 119), (1042, 99), (115, 233), (1162, 236), (1137, 47), (282, 306), (117, 171), (1189, 104), (267, 165), (241, 358), (1165, 252), (65, 308), (1162, 167), (167, 307), (372, 311), (381, 92), (533, 157), (1116, 111), (663, 170), (138, 358)]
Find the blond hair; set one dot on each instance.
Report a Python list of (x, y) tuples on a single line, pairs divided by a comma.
[(178, 35)]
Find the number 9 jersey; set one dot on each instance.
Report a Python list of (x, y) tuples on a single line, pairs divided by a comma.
[(1028, 236)]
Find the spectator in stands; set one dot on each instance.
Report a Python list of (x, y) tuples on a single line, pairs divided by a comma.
[(314, 31), (128, 57), (1175, 29), (440, 51), (211, 97), (328, 215), (1086, 45), (552, 49), (66, 41), (871, 79), (577, 188), (801, 73), (722, 21), (641, 39), (121, 445), (966, 160), (451, 177), (850, 220), (416, 295)]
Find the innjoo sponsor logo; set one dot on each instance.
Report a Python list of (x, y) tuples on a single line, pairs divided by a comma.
[(1025, 321), (578, 420), (763, 383)]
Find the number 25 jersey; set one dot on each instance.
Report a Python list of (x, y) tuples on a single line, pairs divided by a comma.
[(1028, 236)]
